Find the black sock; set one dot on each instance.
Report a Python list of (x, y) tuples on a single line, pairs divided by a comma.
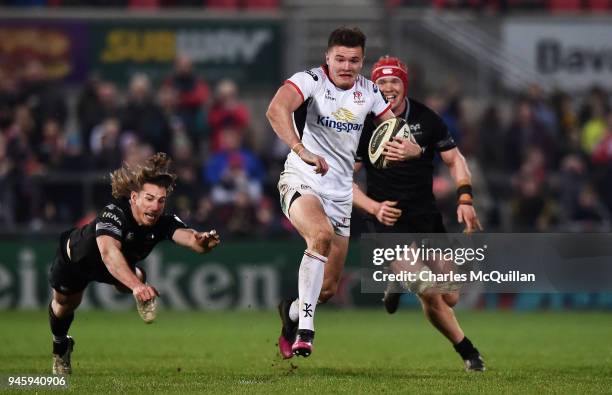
[(466, 349), (59, 328)]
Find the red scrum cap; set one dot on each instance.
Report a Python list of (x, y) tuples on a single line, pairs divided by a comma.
[(389, 66)]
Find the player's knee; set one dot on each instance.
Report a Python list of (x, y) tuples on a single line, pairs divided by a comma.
[(322, 239), (451, 299), (66, 303), (432, 301)]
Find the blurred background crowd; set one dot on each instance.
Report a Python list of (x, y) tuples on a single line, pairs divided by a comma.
[(541, 160), (47, 147), (478, 5)]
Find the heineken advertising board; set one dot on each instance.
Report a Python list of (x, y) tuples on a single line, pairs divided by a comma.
[(236, 275), (244, 275)]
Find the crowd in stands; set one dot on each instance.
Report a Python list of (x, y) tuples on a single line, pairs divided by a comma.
[(45, 159), (546, 167), (232, 5), (502, 6), (490, 6)]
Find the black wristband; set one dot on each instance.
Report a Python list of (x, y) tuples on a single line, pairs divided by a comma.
[(464, 189)]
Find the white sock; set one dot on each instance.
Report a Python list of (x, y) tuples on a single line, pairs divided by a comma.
[(310, 281), (293, 310)]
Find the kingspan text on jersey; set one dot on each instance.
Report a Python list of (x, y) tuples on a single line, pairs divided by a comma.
[(339, 126)]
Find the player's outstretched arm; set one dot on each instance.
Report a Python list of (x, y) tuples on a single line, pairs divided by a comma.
[(463, 178), (110, 251), (200, 242)]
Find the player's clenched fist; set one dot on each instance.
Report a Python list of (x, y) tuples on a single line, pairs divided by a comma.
[(387, 214), (144, 292), (321, 166)]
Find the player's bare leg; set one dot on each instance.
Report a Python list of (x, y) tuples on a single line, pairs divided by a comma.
[(334, 267), (333, 271), (61, 314), (438, 310), (394, 291), (308, 217), (441, 316)]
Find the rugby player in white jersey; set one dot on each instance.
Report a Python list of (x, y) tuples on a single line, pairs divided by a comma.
[(329, 105)]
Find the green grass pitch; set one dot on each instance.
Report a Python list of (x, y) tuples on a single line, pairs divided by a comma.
[(356, 351)]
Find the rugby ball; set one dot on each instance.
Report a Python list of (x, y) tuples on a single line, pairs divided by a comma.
[(386, 131)]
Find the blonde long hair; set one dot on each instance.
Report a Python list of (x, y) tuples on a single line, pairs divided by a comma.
[(155, 170)]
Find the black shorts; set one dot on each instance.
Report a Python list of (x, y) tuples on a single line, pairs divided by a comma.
[(68, 277), (421, 223)]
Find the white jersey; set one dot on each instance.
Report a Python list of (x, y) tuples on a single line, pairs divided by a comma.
[(330, 122)]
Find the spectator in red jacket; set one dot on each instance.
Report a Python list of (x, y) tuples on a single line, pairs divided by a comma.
[(227, 112)]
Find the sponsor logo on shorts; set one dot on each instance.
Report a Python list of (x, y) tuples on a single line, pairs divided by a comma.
[(283, 189), (345, 222)]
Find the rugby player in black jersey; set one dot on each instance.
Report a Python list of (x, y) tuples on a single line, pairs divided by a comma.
[(107, 249), (400, 198)]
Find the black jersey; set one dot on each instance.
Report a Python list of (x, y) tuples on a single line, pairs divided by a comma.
[(408, 182), (116, 221)]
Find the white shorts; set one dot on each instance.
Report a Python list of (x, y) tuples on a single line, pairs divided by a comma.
[(338, 212)]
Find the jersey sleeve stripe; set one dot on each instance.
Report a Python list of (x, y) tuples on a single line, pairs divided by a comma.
[(297, 88), (384, 111), (101, 226)]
